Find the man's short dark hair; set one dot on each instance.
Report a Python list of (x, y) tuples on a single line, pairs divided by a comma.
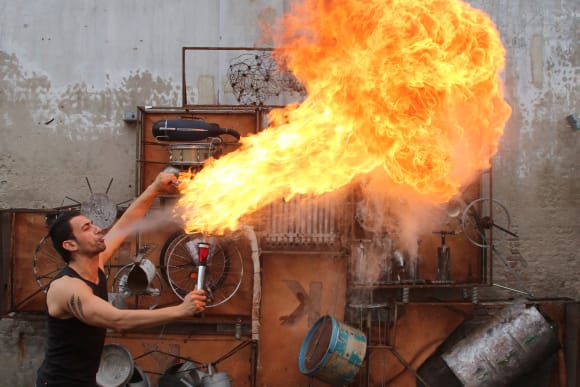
[(61, 231)]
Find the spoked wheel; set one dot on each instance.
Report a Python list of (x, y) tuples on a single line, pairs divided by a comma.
[(480, 217), (224, 267), (125, 296), (47, 262)]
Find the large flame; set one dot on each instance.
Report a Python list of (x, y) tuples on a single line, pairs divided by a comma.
[(412, 86)]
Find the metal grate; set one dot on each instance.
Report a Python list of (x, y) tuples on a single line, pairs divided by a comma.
[(305, 222)]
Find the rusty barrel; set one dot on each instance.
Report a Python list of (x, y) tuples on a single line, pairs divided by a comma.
[(332, 351)]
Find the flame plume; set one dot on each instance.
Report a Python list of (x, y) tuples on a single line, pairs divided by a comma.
[(410, 86)]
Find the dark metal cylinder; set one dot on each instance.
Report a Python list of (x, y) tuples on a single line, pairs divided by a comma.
[(443, 262)]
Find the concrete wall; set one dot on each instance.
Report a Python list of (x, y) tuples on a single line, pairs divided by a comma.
[(23, 343), (71, 68), (536, 173)]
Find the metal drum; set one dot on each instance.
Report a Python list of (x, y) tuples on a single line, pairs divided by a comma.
[(332, 351), (500, 351), (190, 154)]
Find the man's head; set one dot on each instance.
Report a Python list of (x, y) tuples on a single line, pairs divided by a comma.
[(60, 231)]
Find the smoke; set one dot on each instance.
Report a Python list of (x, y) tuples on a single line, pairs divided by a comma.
[(414, 90), (394, 218), (158, 219), (387, 208)]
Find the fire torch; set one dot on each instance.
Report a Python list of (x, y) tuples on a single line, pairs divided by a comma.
[(202, 254)]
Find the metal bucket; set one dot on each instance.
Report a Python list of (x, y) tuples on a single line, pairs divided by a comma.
[(140, 276), (116, 366), (502, 350), (332, 351)]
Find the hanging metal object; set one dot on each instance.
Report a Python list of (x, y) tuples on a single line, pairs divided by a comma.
[(99, 208)]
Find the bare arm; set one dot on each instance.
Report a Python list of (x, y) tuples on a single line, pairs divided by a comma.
[(136, 211), (70, 297)]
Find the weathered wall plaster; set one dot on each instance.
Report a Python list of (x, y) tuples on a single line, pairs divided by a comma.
[(536, 171), (69, 72)]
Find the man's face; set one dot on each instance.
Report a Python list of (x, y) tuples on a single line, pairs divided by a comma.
[(89, 238)]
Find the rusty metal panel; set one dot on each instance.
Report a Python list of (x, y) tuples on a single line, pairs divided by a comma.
[(6, 219), (28, 231), (297, 290)]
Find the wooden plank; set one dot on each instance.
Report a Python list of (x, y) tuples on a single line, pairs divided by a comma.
[(29, 229), (6, 219)]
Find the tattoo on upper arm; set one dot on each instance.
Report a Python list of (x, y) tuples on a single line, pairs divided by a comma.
[(75, 307)]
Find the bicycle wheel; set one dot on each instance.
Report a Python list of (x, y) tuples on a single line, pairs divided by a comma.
[(224, 267), (46, 263), (480, 217)]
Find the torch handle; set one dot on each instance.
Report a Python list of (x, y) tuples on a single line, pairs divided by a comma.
[(200, 276)]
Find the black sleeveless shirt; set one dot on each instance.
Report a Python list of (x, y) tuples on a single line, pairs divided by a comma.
[(74, 348)]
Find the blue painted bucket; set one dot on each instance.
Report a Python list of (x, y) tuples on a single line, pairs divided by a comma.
[(332, 351)]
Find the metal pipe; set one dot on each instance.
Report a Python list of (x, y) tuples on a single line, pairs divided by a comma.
[(512, 289), (257, 289), (408, 366), (208, 48), (256, 299), (368, 355), (254, 363), (183, 80)]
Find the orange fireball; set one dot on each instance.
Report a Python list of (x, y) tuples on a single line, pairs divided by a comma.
[(410, 86)]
